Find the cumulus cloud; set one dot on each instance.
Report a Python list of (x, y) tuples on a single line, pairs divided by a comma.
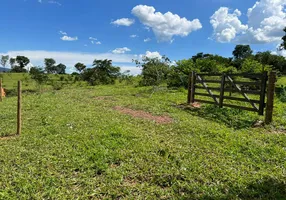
[(98, 42), (154, 54), (121, 50), (134, 36), (165, 26), (68, 38), (147, 40), (266, 20), (123, 22)]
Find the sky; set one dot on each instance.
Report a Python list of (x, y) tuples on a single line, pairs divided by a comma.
[(72, 31)]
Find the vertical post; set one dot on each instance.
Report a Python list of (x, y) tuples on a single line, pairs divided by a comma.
[(193, 87), (189, 88), (1, 89), (270, 97), (221, 97), (262, 93), (19, 119)]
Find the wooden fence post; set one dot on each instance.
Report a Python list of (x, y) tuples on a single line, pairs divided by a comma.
[(262, 93), (19, 119), (222, 91), (1, 90), (270, 97), (193, 87)]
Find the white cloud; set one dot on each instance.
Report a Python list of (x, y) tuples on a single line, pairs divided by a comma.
[(55, 2), (266, 20), (147, 40), (133, 69), (98, 42), (92, 38), (123, 22), (154, 54), (62, 32), (134, 36), (165, 26), (121, 50), (68, 38), (226, 25), (70, 58)]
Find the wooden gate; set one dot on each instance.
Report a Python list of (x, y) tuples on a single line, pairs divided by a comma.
[(242, 85)]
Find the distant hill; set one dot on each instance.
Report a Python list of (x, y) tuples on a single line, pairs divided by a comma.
[(4, 69)]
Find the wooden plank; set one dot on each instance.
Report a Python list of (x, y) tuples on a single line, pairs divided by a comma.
[(205, 95), (240, 99), (258, 83), (253, 75), (205, 101), (210, 88), (209, 74), (240, 107), (242, 92), (206, 87), (262, 94), (222, 91), (189, 89)]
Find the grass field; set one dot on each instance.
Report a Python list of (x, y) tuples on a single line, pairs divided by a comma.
[(76, 145)]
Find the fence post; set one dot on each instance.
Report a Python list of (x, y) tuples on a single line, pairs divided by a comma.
[(262, 93), (270, 97), (1, 90), (193, 87), (222, 91), (19, 119)]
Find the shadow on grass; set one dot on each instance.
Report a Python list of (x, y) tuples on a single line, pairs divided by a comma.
[(267, 188), (233, 118)]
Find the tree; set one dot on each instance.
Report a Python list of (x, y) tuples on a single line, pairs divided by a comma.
[(50, 65), (283, 45), (154, 70), (80, 67), (38, 75), (4, 60), (253, 66), (22, 62), (60, 69), (102, 73), (12, 62), (242, 51), (277, 62)]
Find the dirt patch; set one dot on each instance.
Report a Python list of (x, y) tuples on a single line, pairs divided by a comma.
[(144, 115)]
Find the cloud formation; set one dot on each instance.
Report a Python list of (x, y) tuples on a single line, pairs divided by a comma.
[(123, 22), (266, 20), (165, 26), (121, 50)]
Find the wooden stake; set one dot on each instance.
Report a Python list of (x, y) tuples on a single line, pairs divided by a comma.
[(189, 89), (270, 97), (1, 90), (19, 119), (193, 88), (222, 91)]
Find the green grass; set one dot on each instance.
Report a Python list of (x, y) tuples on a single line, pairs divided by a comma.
[(76, 146)]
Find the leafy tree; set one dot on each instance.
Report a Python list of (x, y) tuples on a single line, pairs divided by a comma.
[(179, 73), (253, 66), (242, 51), (154, 70), (4, 60), (276, 61), (60, 69), (80, 67), (50, 65), (22, 62), (209, 66), (102, 73), (12, 62), (38, 74)]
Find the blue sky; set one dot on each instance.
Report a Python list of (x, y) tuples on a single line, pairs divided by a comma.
[(73, 30)]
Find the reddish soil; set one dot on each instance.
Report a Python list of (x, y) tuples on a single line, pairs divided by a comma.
[(144, 115)]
